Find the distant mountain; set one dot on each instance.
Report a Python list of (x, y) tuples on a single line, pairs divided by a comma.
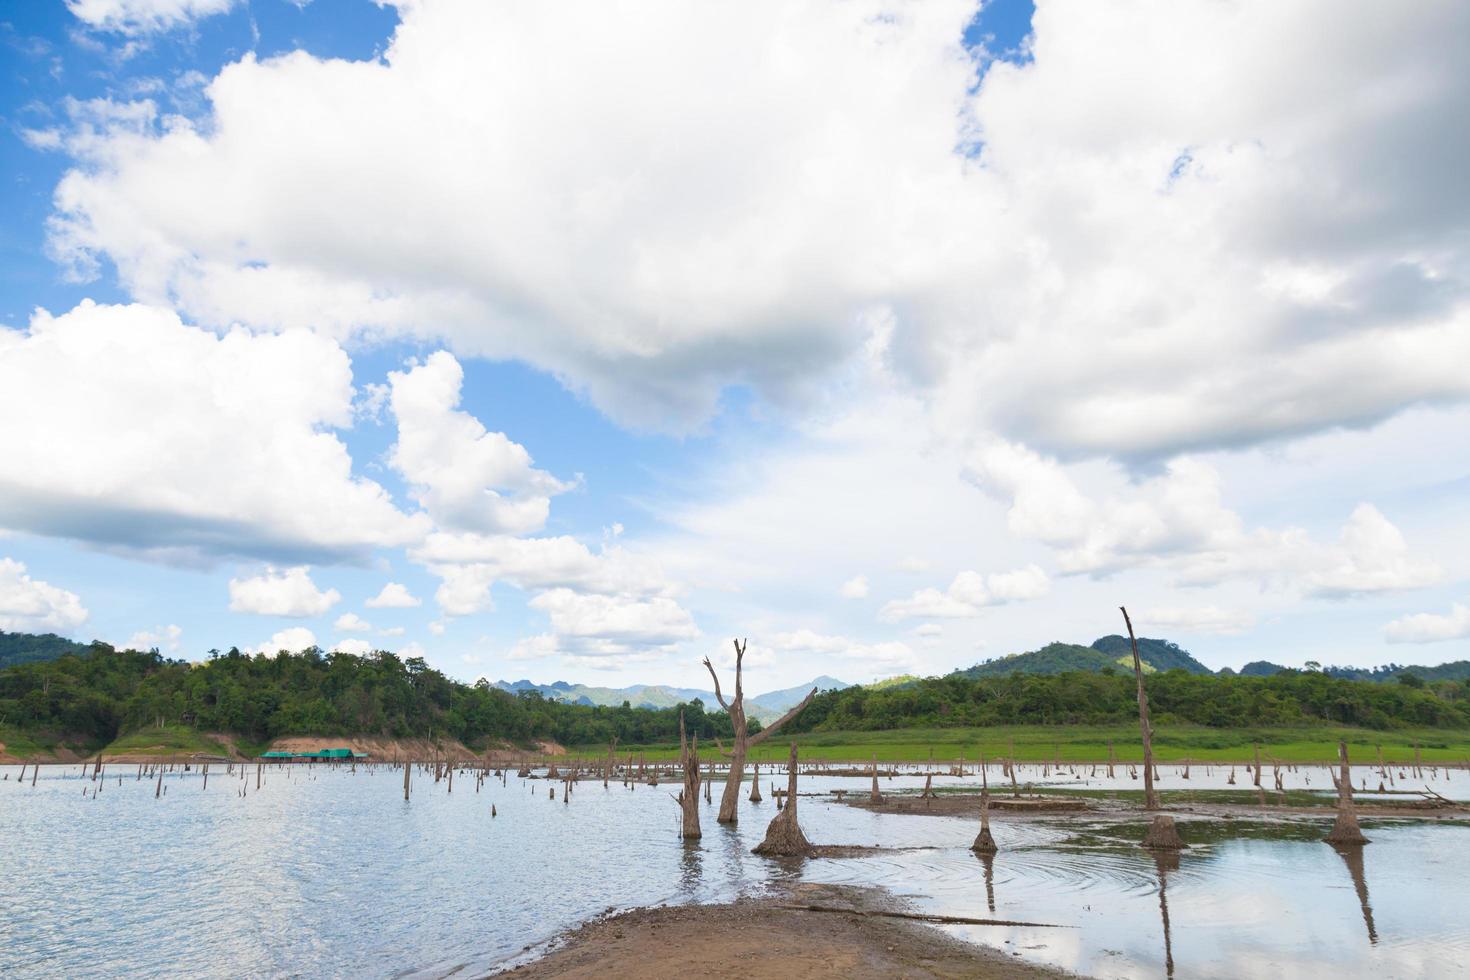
[(1260, 668), (25, 648), (765, 708), (780, 702)]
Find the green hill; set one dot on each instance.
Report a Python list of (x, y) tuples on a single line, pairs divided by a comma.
[(27, 648), (1162, 654), (1106, 653)]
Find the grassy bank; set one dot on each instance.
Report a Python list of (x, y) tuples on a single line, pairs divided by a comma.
[(170, 740), (1089, 743)]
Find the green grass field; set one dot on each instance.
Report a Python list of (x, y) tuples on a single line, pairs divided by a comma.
[(25, 745), (1089, 743), (170, 740)]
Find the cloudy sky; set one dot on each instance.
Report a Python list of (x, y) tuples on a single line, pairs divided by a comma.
[(568, 340)]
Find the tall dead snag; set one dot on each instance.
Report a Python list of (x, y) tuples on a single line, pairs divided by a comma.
[(1345, 829), (875, 796), (730, 798), (1150, 798), (784, 837), (607, 773), (984, 843), (689, 796), (755, 785)]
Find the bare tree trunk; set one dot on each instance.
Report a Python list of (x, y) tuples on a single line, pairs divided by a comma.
[(730, 798), (1150, 798), (1345, 830), (755, 785), (689, 796), (784, 837), (876, 796), (984, 842)]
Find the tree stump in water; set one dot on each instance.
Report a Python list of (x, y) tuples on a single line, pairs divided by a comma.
[(755, 785), (1345, 830), (984, 843), (784, 837), (1163, 835), (875, 796)]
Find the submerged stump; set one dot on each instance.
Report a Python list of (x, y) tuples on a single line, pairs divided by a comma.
[(1163, 835), (784, 837), (1345, 830)]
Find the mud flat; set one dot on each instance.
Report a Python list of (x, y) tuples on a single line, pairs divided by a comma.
[(803, 931)]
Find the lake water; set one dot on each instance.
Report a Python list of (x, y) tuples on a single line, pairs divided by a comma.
[(328, 873)]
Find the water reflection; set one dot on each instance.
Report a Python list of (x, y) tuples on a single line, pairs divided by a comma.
[(987, 858), (1164, 862), (1353, 858)]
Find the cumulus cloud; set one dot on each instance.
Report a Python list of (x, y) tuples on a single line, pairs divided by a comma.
[(616, 623), (1179, 253), (136, 17), (182, 445), (1178, 520), (393, 596), (892, 655), (968, 594), (855, 588), (467, 479), (160, 637), (351, 623), (289, 592), (30, 605), (1196, 619), (1430, 627), (353, 645), (292, 640)]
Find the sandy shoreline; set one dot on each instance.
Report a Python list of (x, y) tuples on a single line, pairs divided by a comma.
[(774, 938)]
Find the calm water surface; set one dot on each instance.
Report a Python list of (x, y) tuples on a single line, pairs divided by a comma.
[(328, 873)]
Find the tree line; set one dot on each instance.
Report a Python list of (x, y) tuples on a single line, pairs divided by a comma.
[(1085, 697), (97, 695)]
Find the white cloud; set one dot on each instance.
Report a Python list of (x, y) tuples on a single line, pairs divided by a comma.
[(30, 605), (876, 656), (162, 637), (182, 445), (281, 593), (1178, 520), (135, 17), (1195, 619), (968, 594), (615, 623), (465, 589), (467, 479), (292, 640), (1430, 627), (353, 645), (392, 631), (1277, 251), (393, 596), (351, 623), (855, 588), (437, 627)]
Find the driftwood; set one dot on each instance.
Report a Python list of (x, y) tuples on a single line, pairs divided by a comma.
[(744, 741)]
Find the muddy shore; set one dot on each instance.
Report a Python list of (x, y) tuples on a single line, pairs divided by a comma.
[(774, 938)]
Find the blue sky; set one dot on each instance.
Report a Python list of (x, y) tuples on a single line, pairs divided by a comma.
[(744, 343)]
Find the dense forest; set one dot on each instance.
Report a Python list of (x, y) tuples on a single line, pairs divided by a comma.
[(1290, 697), (104, 692), (26, 648)]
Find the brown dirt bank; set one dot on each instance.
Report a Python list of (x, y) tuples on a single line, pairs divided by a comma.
[(761, 940)]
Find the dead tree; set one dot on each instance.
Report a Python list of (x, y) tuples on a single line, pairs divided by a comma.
[(875, 796), (755, 785), (689, 796), (784, 837), (1345, 829), (744, 742), (1150, 798), (984, 842)]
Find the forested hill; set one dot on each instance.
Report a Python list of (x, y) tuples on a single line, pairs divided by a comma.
[(1104, 653), (93, 697), (24, 648)]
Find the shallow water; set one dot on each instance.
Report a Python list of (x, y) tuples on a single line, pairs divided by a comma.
[(328, 873)]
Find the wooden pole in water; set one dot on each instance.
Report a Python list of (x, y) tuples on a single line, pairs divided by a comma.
[(158, 790), (407, 771), (1150, 798)]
